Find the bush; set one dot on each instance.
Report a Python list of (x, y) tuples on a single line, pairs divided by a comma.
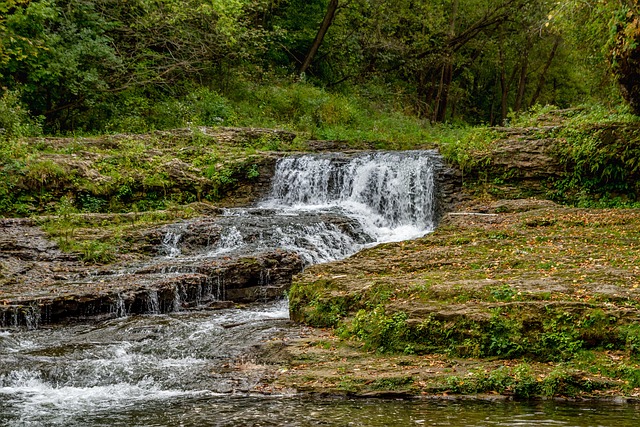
[(14, 119), (210, 108)]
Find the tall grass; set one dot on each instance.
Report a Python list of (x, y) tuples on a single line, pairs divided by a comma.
[(310, 111)]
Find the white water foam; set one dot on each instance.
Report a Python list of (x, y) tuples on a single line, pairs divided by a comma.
[(37, 398), (95, 378), (392, 195), (384, 196), (356, 201), (316, 243), (230, 240)]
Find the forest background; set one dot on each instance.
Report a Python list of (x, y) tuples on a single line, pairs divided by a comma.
[(350, 69)]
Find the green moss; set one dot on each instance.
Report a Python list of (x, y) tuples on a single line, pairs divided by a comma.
[(120, 174), (524, 288), (308, 303), (392, 383)]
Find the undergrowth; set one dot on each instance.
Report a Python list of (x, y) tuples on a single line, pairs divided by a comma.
[(598, 151)]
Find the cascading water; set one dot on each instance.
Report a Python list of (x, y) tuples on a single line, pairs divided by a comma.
[(83, 375), (328, 207), (193, 368), (391, 194), (324, 207)]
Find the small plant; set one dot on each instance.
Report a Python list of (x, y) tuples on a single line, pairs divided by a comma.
[(97, 252), (253, 172), (504, 336), (381, 332), (91, 203), (631, 336), (15, 121), (525, 384), (503, 293), (471, 152)]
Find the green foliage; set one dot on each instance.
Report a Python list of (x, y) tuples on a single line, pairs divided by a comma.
[(519, 381), (560, 336), (503, 293), (15, 121), (252, 172), (504, 336), (383, 72), (576, 117), (602, 162), (308, 303), (137, 111), (630, 334), (382, 332), (557, 336), (16, 47), (320, 114), (82, 64), (523, 382), (597, 148), (470, 150), (393, 383)]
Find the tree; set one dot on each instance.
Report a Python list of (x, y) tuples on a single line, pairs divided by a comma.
[(625, 52), (606, 35), (322, 31), (67, 56), (17, 46)]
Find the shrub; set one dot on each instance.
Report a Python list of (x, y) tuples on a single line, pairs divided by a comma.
[(15, 121)]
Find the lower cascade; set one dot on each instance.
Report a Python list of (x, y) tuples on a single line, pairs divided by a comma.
[(322, 207), (327, 207)]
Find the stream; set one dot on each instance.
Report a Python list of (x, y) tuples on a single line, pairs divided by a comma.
[(197, 367)]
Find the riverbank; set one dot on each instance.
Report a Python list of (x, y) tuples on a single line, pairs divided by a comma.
[(512, 295), (519, 298)]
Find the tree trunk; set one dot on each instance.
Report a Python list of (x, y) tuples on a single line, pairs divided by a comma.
[(446, 78), (543, 76), (522, 83), (625, 57), (504, 86), (322, 31), (492, 114), (443, 93)]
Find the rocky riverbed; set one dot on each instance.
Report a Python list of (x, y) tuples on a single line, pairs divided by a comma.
[(40, 284), (518, 298)]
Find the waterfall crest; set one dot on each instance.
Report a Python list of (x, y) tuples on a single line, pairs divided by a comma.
[(391, 194)]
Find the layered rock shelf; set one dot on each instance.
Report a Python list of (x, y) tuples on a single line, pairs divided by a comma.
[(43, 285)]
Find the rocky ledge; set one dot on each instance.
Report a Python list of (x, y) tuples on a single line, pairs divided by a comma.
[(40, 284), (521, 298)]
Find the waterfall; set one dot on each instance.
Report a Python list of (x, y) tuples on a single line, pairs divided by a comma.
[(170, 243), (324, 207), (153, 303), (229, 240), (391, 194)]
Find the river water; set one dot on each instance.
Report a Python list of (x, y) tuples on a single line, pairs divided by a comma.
[(198, 367), (191, 369)]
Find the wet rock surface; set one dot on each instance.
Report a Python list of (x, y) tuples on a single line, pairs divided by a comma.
[(241, 255), (41, 284), (253, 229)]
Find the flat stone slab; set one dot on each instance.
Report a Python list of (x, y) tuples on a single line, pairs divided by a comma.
[(40, 284)]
